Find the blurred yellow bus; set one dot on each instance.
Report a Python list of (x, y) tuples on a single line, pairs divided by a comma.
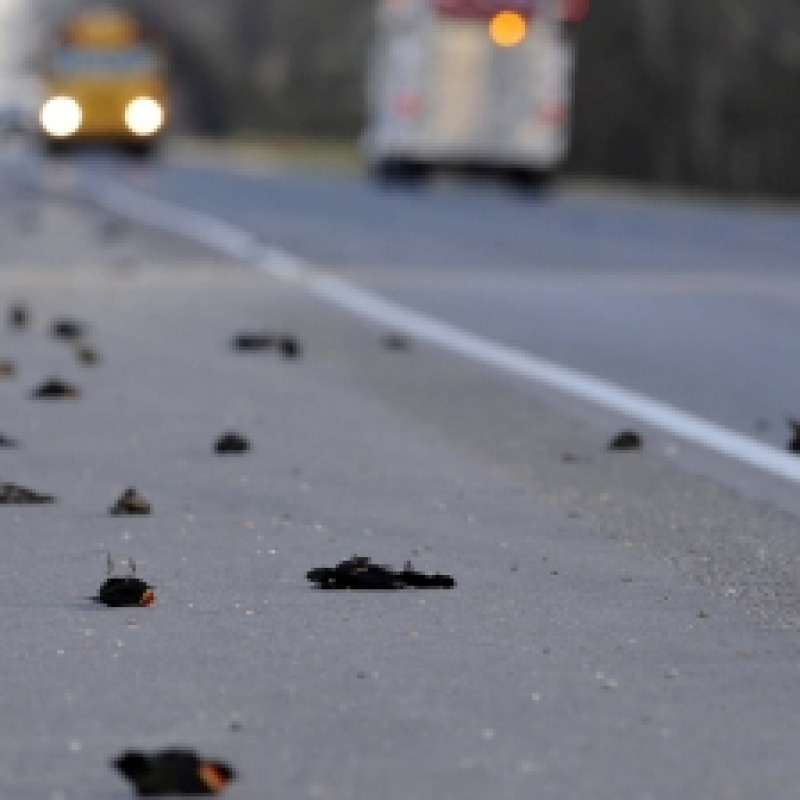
[(471, 84), (104, 82)]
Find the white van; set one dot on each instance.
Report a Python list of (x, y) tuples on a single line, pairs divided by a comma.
[(470, 84)]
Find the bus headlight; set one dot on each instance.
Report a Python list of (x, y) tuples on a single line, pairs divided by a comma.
[(60, 117), (144, 116)]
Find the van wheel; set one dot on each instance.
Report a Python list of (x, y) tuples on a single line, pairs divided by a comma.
[(526, 179), (400, 172)]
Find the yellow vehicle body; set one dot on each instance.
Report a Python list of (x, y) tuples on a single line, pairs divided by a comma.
[(104, 82)]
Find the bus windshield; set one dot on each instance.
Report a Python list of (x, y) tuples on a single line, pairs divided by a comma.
[(102, 61)]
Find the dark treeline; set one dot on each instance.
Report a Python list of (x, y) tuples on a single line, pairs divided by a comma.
[(679, 92), (690, 93)]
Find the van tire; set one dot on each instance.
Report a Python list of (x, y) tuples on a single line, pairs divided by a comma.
[(400, 172)]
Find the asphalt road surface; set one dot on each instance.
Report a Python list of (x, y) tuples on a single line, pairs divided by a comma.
[(625, 625)]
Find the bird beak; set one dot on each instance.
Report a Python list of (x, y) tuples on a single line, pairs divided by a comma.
[(212, 777), (148, 598)]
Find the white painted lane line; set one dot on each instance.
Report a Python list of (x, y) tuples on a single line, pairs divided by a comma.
[(193, 225), (280, 264)]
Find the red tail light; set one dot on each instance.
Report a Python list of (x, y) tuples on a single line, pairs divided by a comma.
[(574, 10)]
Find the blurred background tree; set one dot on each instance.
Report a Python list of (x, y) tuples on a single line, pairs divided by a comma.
[(693, 94), (679, 92)]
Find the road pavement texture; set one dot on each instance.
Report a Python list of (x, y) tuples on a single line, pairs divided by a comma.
[(619, 629), (693, 303)]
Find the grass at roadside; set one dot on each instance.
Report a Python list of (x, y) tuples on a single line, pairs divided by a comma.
[(267, 154)]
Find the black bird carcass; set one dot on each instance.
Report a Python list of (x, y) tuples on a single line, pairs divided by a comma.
[(626, 440), (12, 494), (130, 503), (173, 772), (231, 443), (125, 591), (360, 574)]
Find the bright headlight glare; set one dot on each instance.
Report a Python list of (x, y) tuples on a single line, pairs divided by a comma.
[(144, 116), (61, 116)]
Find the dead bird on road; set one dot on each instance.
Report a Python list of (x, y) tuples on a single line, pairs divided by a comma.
[(130, 502), (173, 771), (11, 494), (231, 443), (290, 347), (253, 340), (625, 440), (8, 368), (55, 389), (359, 573), (18, 316), (67, 328), (126, 592)]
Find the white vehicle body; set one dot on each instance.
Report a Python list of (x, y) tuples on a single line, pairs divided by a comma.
[(20, 91), (441, 92)]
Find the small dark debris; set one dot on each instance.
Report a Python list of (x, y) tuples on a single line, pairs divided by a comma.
[(87, 355), (7, 368), (395, 341), (253, 341), (794, 445), (173, 772), (6, 441), (287, 346), (55, 388), (66, 328), (235, 726), (125, 593), (359, 573), (626, 440), (18, 316), (702, 614), (130, 502), (11, 494), (232, 443), (290, 347)]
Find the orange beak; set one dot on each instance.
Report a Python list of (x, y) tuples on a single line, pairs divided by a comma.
[(148, 598), (212, 776)]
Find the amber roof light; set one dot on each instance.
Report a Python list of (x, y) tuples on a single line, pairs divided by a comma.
[(507, 28)]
